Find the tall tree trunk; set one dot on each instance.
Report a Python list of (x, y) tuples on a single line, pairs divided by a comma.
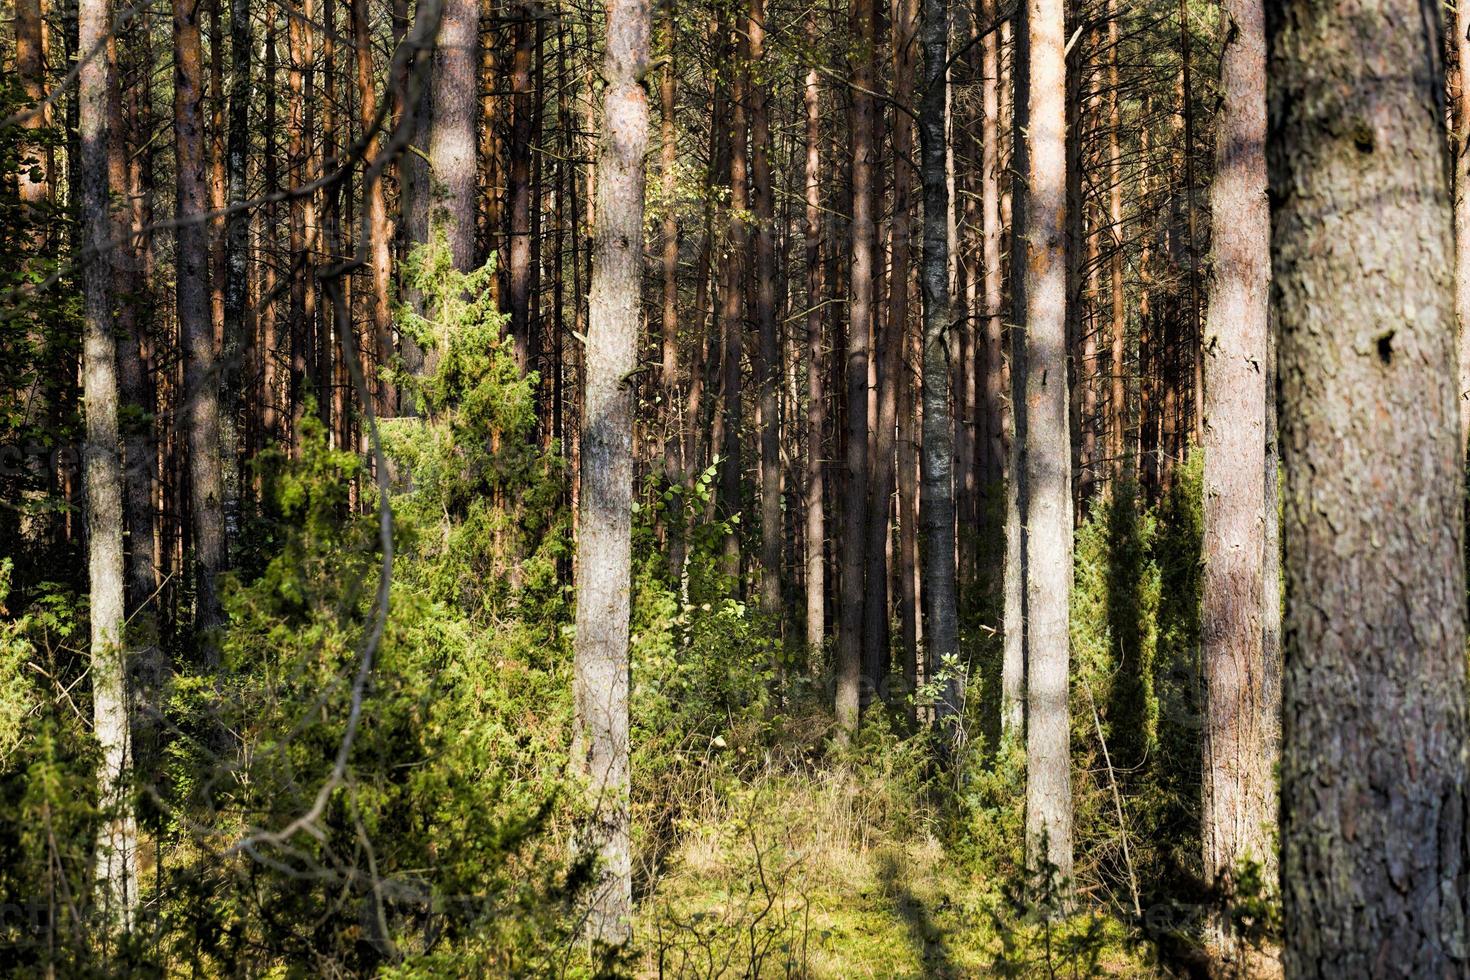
[(452, 141), (769, 375), (732, 292), (375, 209), (670, 379), (523, 30), (238, 314), (1237, 792), (991, 292), (116, 846), (30, 70), (860, 322), (1013, 656), (936, 492), (816, 530), (1119, 470), (605, 546), (201, 383), (1048, 513), (1374, 775)]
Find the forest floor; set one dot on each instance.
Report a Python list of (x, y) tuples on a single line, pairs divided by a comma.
[(791, 879)]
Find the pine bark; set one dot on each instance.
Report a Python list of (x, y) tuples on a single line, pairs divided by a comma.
[(764, 288), (605, 545), (1013, 656), (201, 382), (1374, 774), (860, 323), (116, 846), (1459, 94), (816, 531), (1048, 514), (1237, 792), (452, 137), (936, 490), (375, 208)]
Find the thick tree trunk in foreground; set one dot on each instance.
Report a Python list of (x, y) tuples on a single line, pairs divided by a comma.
[(201, 385), (452, 139), (605, 545), (116, 854), (1238, 796), (1374, 775), (1048, 514)]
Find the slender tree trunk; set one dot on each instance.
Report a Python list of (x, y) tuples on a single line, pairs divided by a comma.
[(1119, 470), (769, 375), (452, 141), (670, 379), (731, 321), (1013, 657), (936, 492), (1237, 792), (990, 251), (605, 546), (1048, 483), (238, 314), (375, 208), (201, 384), (524, 31), (860, 321), (116, 846), (1374, 773), (816, 530)]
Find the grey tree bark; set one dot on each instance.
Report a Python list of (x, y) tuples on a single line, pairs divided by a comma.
[(1013, 655), (453, 138), (816, 531), (764, 288), (116, 847), (606, 498), (1048, 513), (1238, 796), (1374, 773), (860, 323), (1459, 94), (936, 457)]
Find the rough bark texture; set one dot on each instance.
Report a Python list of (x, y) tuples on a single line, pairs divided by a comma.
[(1374, 776), (452, 139), (116, 848), (1013, 656), (816, 531), (860, 323), (1048, 514), (764, 288), (1459, 94), (605, 545), (522, 103), (1237, 790), (375, 208), (936, 491), (201, 385)]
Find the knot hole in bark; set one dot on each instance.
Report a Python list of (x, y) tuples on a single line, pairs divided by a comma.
[(1363, 137), (1385, 347)]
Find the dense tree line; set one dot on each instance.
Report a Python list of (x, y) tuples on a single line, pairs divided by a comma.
[(435, 413)]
